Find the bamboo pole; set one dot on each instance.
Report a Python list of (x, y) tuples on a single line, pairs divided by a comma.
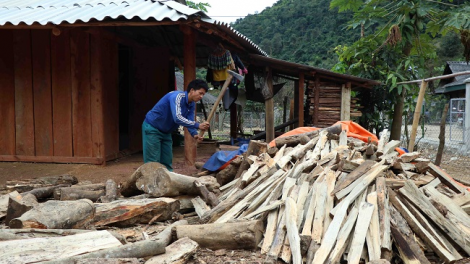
[(419, 105)]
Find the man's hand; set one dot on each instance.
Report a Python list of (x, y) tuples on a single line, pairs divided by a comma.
[(198, 138), (204, 126)]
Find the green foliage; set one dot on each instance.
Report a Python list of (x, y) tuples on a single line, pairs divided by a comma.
[(198, 6)]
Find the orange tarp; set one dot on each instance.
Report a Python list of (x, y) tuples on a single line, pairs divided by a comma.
[(352, 130)]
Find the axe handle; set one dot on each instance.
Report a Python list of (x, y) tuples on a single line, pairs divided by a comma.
[(214, 107)]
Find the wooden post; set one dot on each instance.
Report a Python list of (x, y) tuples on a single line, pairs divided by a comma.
[(419, 105), (301, 99), (190, 150), (233, 121), (269, 105), (316, 103), (284, 112), (442, 136), (346, 102)]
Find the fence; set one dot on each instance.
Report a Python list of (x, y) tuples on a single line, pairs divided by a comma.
[(456, 153), (251, 123)]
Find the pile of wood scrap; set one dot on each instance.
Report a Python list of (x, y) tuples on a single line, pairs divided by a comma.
[(334, 198)]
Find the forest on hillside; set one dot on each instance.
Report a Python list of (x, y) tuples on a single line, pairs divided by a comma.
[(308, 32)]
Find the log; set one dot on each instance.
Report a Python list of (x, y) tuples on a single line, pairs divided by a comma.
[(295, 140), (51, 248), (227, 174), (108, 261), (45, 192), (238, 235), (111, 192), (140, 249), (57, 215), (129, 187), (207, 196), (72, 194), (15, 234), (28, 185), (176, 253), (132, 211)]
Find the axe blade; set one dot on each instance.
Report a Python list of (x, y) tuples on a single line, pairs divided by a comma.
[(236, 75)]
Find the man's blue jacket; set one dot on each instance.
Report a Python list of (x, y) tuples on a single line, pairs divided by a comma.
[(171, 111)]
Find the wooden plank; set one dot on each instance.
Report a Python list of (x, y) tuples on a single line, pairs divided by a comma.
[(418, 199), (331, 234), (81, 108), (373, 233), (384, 213), (55, 159), (24, 113), (346, 101), (423, 229), (357, 243), (97, 83), (343, 236), (51, 248), (111, 96), (446, 179), (319, 217), (355, 174), (270, 231), (41, 60), (7, 91), (61, 94), (292, 230)]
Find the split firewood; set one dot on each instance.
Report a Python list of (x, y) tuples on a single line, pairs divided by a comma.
[(200, 206), (207, 196), (4, 200), (30, 184), (238, 235), (255, 147), (382, 141), (129, 212), (178, 252), (57, 215), (53, 248), (355, 174), (19, 205)]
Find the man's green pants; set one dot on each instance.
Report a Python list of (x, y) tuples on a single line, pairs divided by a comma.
[(157, 146)]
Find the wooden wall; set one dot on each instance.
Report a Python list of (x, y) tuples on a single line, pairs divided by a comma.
[(327, 110), (59, 98)]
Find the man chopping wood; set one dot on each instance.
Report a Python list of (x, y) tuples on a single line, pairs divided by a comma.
[(173, 110)]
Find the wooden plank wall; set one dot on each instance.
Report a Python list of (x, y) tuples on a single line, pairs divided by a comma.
[(52, 87)]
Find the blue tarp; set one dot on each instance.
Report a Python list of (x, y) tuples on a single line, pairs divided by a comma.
[(220, 158)]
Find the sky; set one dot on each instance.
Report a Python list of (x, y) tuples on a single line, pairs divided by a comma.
[(230, 10)]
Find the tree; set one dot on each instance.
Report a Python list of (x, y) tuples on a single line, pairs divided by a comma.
[(399, 47)]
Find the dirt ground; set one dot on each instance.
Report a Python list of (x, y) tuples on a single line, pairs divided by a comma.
[(118, 170)]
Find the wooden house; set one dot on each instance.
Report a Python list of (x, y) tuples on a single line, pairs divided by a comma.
[(78, 76), (454, 87)]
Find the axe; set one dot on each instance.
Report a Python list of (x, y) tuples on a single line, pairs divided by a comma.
[(231, 75)]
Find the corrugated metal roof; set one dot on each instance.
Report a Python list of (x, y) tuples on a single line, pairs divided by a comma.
[(16, 12), (72, 11)]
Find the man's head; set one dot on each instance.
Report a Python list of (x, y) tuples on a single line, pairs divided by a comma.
[(196, 90)]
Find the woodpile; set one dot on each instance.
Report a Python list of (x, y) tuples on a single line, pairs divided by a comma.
[(318, 197), (335, 199)]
